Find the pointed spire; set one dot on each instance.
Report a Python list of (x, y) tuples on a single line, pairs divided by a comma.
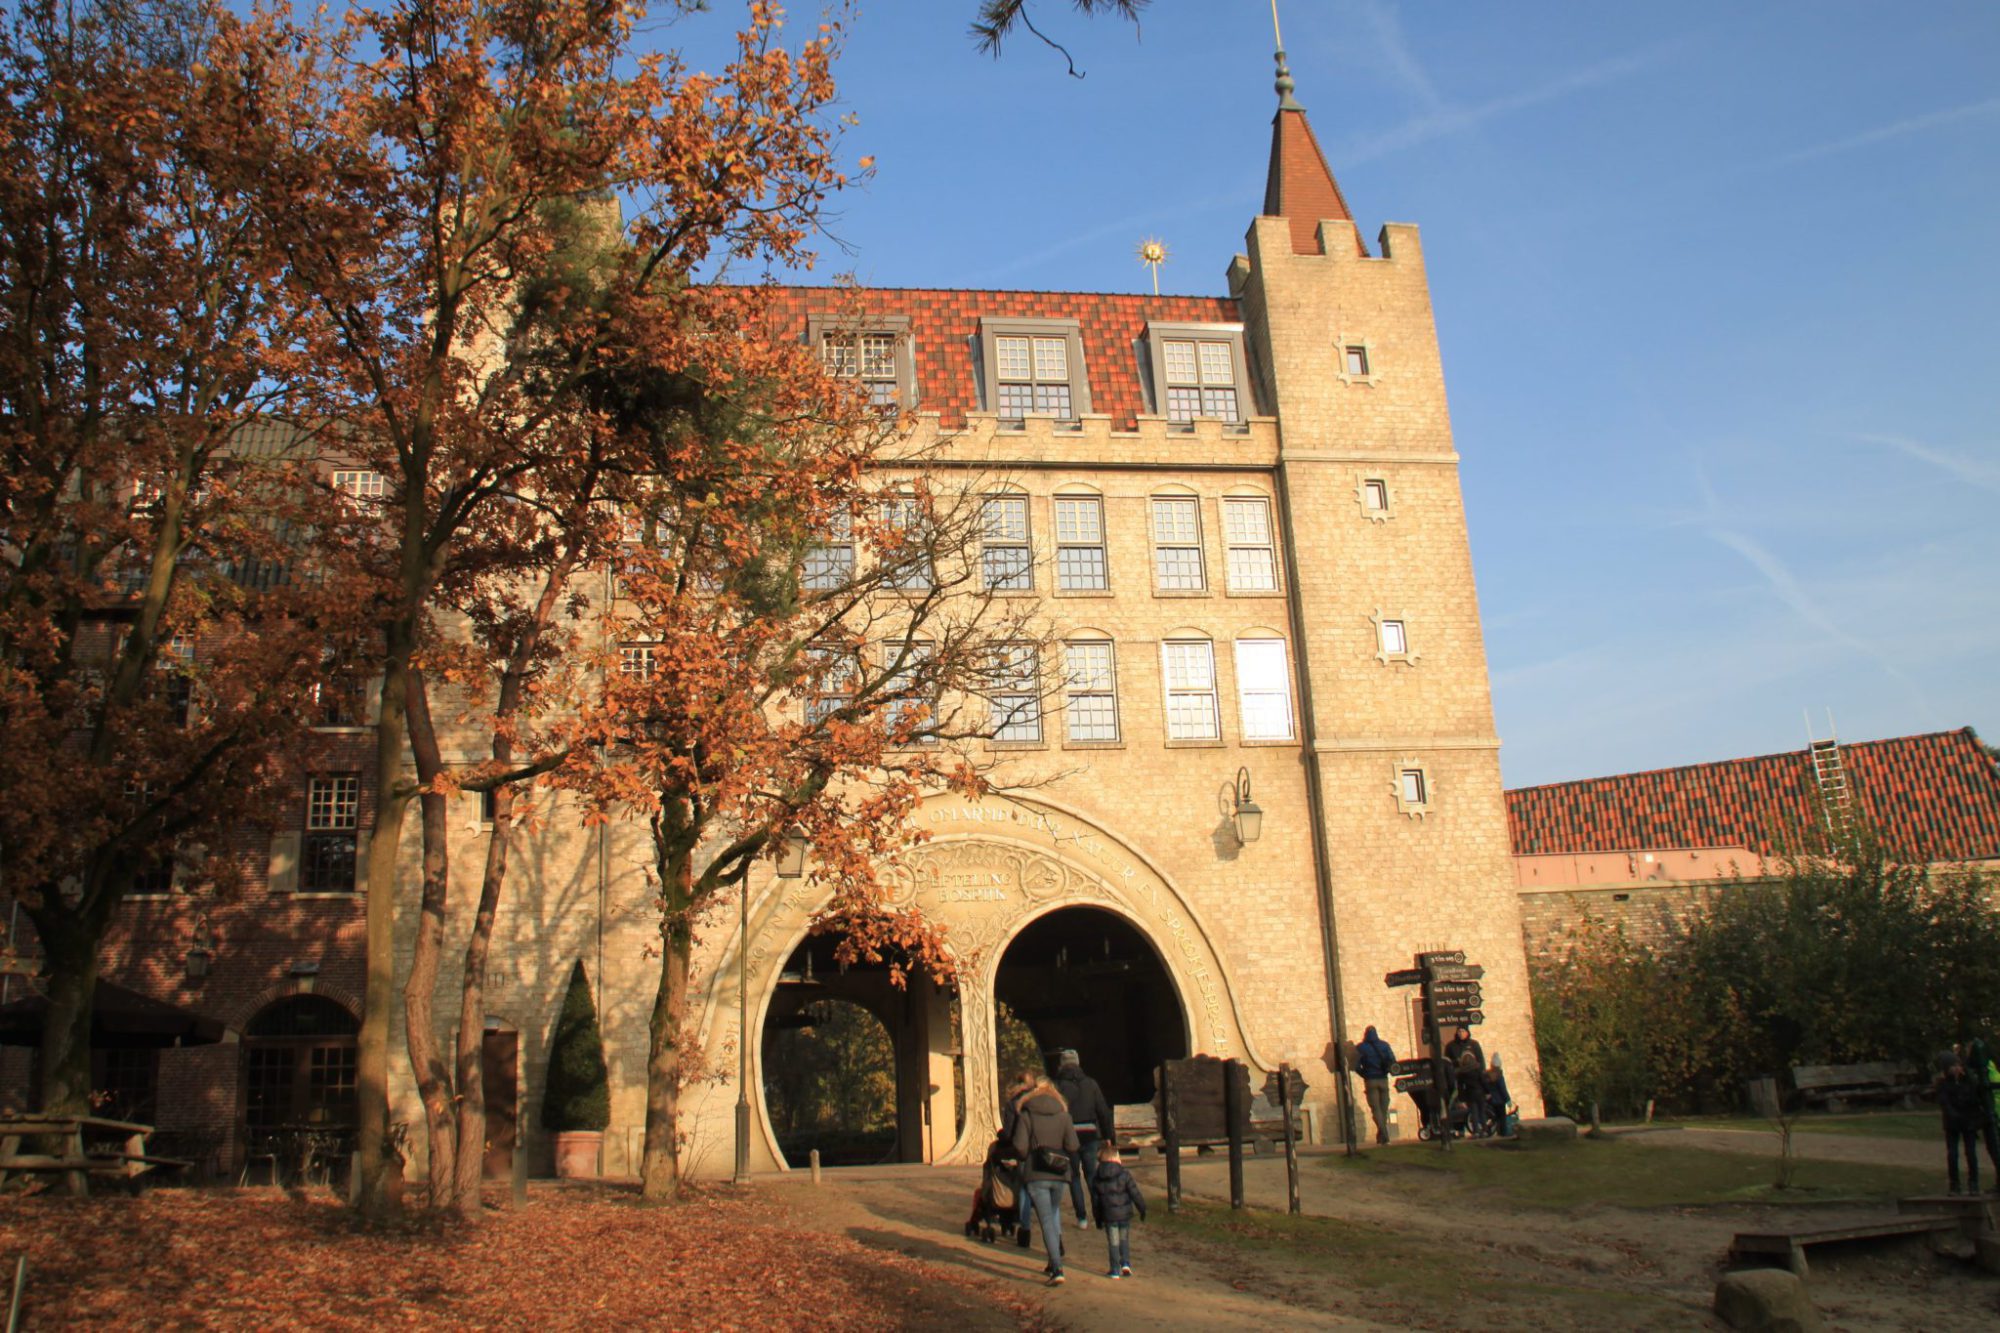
[(1299, 187)]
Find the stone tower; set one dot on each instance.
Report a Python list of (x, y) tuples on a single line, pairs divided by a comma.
[(1402, 763)]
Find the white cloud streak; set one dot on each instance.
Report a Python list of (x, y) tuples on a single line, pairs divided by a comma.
[(1893, 130), (1979, 472)]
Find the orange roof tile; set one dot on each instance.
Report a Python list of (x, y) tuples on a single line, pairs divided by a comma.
[(1299, 187)]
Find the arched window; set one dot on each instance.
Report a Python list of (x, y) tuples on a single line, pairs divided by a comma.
[(300, 1063)]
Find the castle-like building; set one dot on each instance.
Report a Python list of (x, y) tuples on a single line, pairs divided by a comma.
[(1279, 774)]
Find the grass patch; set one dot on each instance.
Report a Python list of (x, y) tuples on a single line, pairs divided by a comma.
[(1913, 1125), (1392, 1268), (1634, 1175)]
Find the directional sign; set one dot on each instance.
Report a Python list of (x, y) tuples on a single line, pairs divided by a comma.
[(1468, 1018), (1457, 972), (1440, 956), (1295, 1087), (1409, 976), (1467, 991)]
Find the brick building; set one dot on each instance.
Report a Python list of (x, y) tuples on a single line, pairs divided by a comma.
[(1242, 513), (1640, 848)]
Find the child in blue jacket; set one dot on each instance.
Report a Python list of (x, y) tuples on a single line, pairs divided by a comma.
[(1116, 1197)]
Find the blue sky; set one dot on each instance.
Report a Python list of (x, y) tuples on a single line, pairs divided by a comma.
[(1716, 285)]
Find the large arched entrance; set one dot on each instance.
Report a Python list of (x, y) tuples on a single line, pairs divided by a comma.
[(845, 1056), (1086, 979)]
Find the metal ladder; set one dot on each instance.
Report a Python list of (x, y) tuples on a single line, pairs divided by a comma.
[(1836, 797)]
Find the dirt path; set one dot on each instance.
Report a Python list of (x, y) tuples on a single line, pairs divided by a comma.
[(1395, 1249), (1823, 1147)]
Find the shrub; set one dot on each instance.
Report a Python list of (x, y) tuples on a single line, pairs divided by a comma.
[(578, 1094)]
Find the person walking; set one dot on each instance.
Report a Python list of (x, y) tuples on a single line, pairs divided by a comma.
[(1375, 1061), (1115, 1196), (1047, 1142), (1094, 1121), (1960, 1102), (1498, 1099), (1018, 1091), (1984, 1074)]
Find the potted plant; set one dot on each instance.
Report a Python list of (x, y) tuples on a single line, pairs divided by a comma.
[(576, 1103)]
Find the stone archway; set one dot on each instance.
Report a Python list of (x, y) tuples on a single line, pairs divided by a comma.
[(988, 870)]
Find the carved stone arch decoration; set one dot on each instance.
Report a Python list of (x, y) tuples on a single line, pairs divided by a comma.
[(988, 869)]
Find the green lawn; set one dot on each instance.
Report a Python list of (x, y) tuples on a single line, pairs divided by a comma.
[(1880, 1124), (1634, 1175), (1380, 1273)]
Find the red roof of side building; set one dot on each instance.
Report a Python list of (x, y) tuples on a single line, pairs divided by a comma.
[(943, 325), (1933, 797)]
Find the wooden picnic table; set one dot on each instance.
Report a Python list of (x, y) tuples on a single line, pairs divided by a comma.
[(86, 1146)]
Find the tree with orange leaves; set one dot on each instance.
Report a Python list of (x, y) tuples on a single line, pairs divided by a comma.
[(416, 161), (160, 642), (808, 643)]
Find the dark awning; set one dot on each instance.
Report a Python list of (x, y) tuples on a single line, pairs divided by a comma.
[(119, 1017)]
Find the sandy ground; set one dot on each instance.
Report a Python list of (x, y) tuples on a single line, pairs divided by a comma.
[(1590, 1268)]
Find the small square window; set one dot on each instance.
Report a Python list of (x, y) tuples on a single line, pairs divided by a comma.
[(1373, 493), (1413, 788), (1357, 361), (1394, 641), (1392, 638)]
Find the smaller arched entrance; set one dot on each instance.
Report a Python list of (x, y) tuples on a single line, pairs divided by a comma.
[(846, 1056), (1088, 980), (300, 1058)]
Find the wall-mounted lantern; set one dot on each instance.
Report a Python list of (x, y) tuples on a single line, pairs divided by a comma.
[(1249, 815)]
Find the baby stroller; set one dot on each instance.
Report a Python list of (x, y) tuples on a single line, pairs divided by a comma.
[(1417, 1084), (997, 1201)]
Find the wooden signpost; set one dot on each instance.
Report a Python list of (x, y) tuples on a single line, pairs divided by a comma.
[(1286, 1088), (1204, 1101), (1451, 999)]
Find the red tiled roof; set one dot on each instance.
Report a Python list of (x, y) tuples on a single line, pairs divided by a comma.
[(1300, 188), (1933, 797), (943, 324)]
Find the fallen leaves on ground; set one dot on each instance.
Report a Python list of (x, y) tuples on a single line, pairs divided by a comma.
[(573, 1257)]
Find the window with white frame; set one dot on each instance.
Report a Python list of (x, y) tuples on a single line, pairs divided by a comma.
[(833, 673), (1187, 667), (867, 357), (909, 563), (1252, 555), (176, 678), (1080, 560), (1033, 368), (829, 562), (1373, 493), (1017, 696), (1413, 788), (910, 707), (1199, 379), (1354, 361), (1392, 638), (1263, 689), (1090, 690), (1177, 562), (636, 659), (327, 856), (1006, 560), (360, 483)]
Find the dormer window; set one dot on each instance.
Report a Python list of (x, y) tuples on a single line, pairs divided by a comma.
[(873, 351), (1033, 368), (1198, 372)]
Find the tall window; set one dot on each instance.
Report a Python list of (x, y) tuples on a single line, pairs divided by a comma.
[(829, 564), (1253, 559), (176, 673), (1032, 373), (1090, 690), (1177, 565), (1006, 560), (867, 357), (909, 702), (910, 564), (1188, 667), (1017, 696), (1200, 379), (1263, 690), (831, 684), (333, 821), (1080, 562)]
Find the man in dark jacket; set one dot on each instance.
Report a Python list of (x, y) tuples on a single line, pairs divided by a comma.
[(1094, 1122), (1042, 1134), (1961, 1103), (1376, 1063), (1465, 1059), (1115, 1197)]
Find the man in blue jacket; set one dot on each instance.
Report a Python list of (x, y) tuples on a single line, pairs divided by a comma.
[(1376, 1064)]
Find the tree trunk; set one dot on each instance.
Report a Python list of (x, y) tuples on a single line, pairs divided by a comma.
[(375, 1197), (472, 1015), (660, 1171), (70, 951), (420, 990)]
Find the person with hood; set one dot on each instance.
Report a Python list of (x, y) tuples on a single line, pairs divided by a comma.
[(1094, 1121), (1498, 1099), (1115, 1197), (1047, 1143), (1375, 1061), (1466, 1059), (1963, 1109), (1984, 1074)]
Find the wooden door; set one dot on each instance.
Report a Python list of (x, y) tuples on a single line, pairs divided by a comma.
[(500, 1063)]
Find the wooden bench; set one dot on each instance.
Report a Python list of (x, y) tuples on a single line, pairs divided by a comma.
[(1787, 1249), (78, 1161), (1833, 1087)]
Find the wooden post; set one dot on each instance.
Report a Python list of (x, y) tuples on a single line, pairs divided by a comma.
[(1291, 1139), (20, 1284), (1171, 1138), (1234, 1088), (814, 1159), (517, 1173)]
